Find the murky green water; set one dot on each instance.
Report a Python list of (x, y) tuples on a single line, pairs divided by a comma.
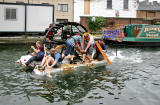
[(132, 79)]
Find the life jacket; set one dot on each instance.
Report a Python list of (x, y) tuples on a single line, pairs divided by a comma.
[(50, 33)]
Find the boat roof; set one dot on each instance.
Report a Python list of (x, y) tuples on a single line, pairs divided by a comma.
[(149, 6)]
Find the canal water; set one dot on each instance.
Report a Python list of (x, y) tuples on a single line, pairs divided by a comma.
[(133, 78)]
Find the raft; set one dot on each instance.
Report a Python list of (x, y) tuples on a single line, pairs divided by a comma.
[(65, 67), (69, 67)]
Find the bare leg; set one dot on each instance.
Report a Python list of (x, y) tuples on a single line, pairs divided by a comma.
[(63, 56), (83, 57), (72, 56), (43, 61), (50, 61), (93, 52)]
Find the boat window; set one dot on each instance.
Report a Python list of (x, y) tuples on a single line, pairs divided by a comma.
[(81, 29)]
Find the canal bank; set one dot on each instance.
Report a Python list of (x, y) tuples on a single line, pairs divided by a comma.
[(19, 40), (24, 40)]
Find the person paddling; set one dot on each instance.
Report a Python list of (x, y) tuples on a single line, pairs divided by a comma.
[(52, 60), (37, 55)]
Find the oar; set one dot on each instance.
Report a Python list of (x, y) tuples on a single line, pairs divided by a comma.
[(103, 53), (45, 52)]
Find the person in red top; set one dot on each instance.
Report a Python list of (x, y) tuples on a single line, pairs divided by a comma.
[(98, 55), (49, 32), (37, 55)]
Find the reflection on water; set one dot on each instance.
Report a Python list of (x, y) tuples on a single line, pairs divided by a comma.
[(73, 87), (133, 78)]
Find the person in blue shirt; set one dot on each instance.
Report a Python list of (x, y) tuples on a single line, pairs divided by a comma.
[(53, 60)]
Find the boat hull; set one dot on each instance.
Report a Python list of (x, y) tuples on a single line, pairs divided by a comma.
[(69, 68), (133, 35), (132, 43)]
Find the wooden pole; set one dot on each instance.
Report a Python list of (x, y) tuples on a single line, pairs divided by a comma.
[(116, 49), (103, 53), (49, 75), (45, 52)]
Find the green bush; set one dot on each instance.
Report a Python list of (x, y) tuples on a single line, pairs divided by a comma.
[(157, 23), (25, 36), (97, 24)]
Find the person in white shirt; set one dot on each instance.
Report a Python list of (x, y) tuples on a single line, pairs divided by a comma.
[(88, 45)]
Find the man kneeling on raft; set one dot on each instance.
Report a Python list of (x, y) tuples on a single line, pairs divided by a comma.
[(70, 44)]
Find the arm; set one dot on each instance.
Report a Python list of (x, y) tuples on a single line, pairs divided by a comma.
[(35, 50), (82, 44), (104, 47), (57, 57), (89, 43), (78, 46), (54, 63)]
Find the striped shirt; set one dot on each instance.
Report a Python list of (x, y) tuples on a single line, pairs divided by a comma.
[(74, 39)]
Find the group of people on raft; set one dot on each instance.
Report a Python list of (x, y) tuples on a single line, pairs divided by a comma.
[(83, 43)]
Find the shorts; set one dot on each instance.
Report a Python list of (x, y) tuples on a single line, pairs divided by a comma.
[(69, 49)]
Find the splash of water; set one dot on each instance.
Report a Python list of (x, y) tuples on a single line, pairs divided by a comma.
[(134, 58)]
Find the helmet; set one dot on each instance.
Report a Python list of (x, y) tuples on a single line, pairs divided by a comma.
[(86, 36)]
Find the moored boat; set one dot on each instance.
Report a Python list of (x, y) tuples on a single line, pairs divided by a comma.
[(133, 35)]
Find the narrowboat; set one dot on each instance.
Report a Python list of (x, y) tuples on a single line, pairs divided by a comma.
[(133, 35)]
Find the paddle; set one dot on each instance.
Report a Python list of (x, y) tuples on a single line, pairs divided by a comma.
[(46, 59), (103, 53), (45, 52)]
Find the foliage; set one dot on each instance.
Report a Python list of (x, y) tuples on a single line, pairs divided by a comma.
[(25, 36), (157, 23), (97, 24)]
